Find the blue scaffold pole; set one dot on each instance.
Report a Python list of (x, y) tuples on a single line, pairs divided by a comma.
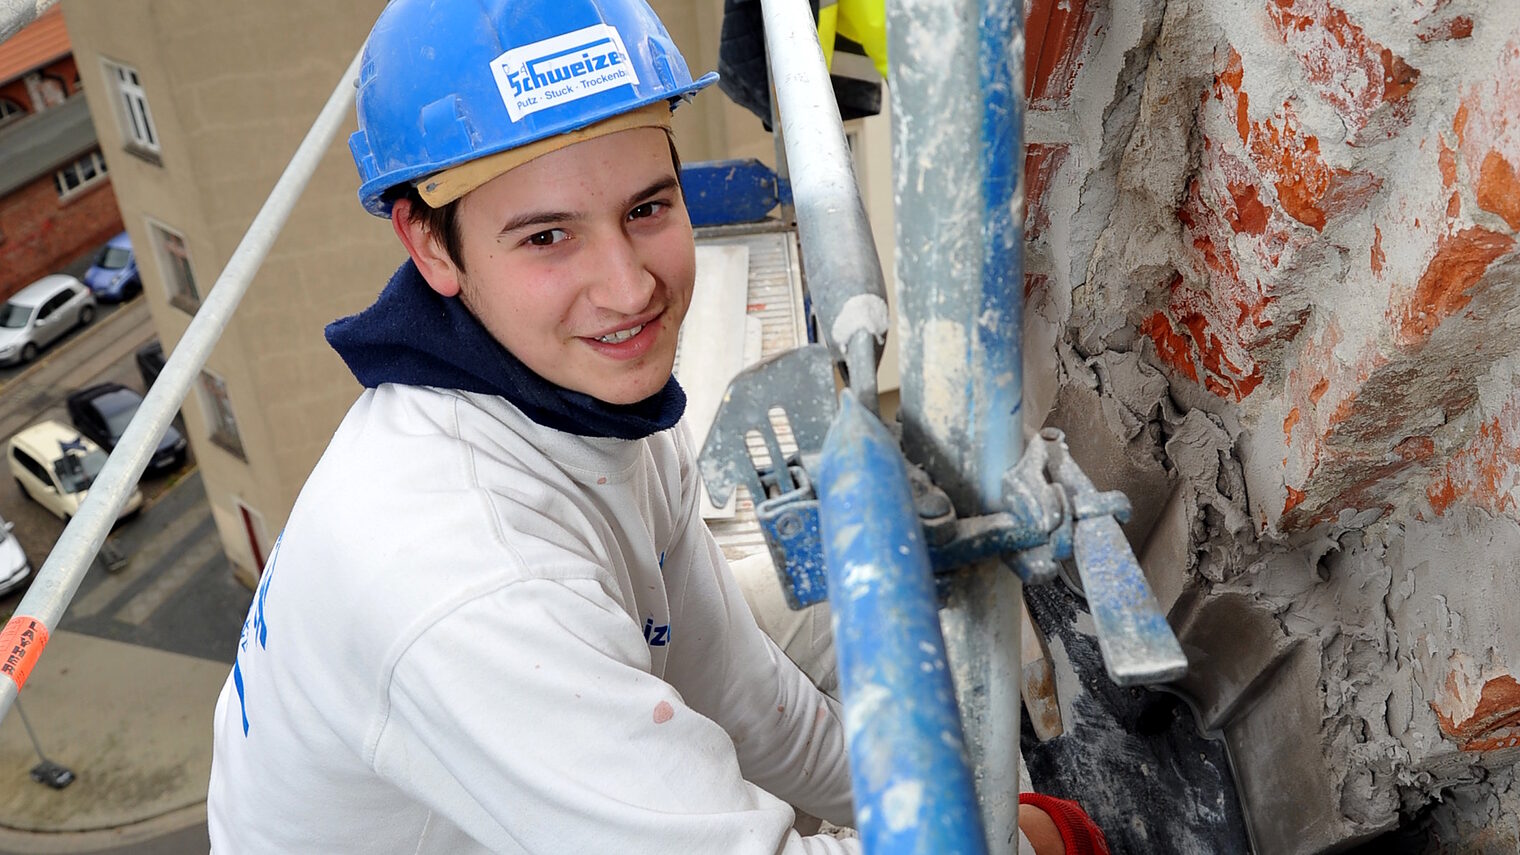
[(912, 784)]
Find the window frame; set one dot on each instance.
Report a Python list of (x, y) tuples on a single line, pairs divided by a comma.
[(11, 110), (221, 421), (133, 115), (74, 169), (175, 266)]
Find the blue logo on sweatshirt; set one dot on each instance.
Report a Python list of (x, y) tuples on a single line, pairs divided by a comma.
[(657, 636), (256, 627)]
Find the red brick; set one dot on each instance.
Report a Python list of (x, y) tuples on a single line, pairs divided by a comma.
[(1487, 129), (42, 234), (1041, 162), (1459, 263), (1282, 154), (1459, 27), (1499, 189), (1487, 469), (1355, 74), (1250, 215), (1035, 283), (1447, 161), (1498, 710), (1415, 448), (1379, 258), (1171, 347), (1056, 36)]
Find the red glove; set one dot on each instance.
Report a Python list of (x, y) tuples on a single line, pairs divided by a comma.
[(1078, 832)]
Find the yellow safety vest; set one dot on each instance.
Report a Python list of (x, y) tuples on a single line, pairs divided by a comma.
[(861, 21)]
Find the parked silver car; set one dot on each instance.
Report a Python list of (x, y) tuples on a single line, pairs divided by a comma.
[(40, 313), (15, 569)]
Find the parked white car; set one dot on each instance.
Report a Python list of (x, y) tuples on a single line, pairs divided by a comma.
[(55, 465), (14, 568), (40, 314)]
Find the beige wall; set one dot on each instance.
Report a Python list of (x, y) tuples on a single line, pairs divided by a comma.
[(233, 88)]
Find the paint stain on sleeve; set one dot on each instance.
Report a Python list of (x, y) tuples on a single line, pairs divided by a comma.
[(663, 712)]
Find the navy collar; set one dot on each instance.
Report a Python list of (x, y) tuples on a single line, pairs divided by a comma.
[(414, 336)]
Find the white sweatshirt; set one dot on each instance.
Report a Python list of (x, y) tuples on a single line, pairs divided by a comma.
[(465, 641)]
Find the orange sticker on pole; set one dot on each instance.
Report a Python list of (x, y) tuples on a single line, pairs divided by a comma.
[(21, 643)]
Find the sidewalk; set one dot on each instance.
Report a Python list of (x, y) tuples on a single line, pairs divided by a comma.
[(141, 777)]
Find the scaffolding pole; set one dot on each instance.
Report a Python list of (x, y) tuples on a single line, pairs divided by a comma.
[(956, 79), (913, 789), (16, 14), (26, 633)]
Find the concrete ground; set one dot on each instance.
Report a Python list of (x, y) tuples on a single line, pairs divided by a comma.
[(141, 778)]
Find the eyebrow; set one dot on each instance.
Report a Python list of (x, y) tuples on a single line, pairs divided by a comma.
[(545, 218), (660, 185)]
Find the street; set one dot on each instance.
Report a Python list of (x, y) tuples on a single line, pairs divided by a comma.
[(172, 545), (176, 592)]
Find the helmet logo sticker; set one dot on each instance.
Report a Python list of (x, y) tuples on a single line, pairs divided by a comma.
[(561, 69)]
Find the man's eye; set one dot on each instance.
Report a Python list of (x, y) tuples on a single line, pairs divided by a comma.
[(648, 209), (547, 238)]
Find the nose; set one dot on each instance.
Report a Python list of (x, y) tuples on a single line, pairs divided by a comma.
[(626, 284)]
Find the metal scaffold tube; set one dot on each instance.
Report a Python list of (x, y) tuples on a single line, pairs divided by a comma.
[(16, 14), (956, 78), (913, 790), (838, 252), (26, 633)]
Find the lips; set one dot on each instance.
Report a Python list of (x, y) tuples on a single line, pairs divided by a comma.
[(631, 342)]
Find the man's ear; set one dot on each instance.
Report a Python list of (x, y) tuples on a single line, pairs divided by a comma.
[(427, 251)]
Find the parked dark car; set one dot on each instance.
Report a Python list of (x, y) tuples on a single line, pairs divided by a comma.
[(113, 275), (150, 362), (102, 413)]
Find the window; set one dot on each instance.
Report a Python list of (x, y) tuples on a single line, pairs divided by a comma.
[(132, 109), (82, 173), (46, 90), (32, 466), (10, 110), (53, 304), (224, 429), (174, 260)]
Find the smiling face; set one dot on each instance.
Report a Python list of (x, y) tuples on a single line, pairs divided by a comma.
[(580, 262)]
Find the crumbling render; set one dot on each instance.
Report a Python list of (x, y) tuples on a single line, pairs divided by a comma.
[(1273, 250)]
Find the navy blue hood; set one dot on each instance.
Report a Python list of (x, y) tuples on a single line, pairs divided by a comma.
[(414, 336)]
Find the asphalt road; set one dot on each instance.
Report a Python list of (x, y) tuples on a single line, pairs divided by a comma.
[(176, 592)]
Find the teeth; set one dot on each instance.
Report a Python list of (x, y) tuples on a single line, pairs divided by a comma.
[(622, 335)]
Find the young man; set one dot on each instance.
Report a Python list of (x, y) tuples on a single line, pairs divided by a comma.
[(495, 621)]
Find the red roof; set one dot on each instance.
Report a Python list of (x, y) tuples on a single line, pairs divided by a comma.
[(38, 44)]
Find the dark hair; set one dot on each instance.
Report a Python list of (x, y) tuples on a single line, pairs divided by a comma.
[(444, 222)]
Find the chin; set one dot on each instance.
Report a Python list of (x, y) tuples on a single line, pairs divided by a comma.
[(626, 396)]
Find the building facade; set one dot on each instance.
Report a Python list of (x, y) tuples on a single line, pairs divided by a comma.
[(56, 199), (204, 103)]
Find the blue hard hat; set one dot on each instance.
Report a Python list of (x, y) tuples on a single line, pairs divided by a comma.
[(443, 82)]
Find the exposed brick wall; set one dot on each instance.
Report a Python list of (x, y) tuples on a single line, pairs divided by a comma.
[(42, 234), (1306, 215), (39, 233)]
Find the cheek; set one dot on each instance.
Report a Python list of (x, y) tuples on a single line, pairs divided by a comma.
[(678, 265)]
